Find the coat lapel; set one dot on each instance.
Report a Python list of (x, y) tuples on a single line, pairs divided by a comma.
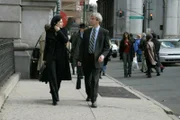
[(98, 38), (88, 37)]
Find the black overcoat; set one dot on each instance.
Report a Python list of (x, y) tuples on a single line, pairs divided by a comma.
[(55, 49)]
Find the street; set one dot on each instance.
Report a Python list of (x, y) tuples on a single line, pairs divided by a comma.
[(164, 89)]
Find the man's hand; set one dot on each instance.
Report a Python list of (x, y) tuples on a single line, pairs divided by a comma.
[(79, 63), (101, 59)]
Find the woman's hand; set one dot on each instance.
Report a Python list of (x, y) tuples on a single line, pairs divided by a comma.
[(56, 28)]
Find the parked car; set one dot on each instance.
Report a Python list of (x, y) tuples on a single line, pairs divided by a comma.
[(170, 51), (114, 50)]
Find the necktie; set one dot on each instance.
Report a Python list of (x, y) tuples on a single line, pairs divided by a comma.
[(92, 41)]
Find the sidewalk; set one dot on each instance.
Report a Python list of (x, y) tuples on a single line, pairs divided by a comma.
[(31, 100)]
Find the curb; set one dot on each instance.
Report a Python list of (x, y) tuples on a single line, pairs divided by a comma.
[(8, 87), (167, 110)]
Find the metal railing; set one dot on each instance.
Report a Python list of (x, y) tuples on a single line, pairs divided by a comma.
[(7, 66)]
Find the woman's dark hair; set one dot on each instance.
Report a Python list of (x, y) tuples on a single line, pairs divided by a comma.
[(154, 35), (148, 37), (124, 37), (55, 20)]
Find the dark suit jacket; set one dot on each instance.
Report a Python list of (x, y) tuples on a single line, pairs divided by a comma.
[(102, 47)]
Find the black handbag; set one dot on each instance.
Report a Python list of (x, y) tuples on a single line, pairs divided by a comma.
[(34, 61), (36, 51), (42, 74)]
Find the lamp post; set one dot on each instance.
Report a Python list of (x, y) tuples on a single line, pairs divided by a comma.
[(164, 18), (84, 11), (58, 7), (149, 5)]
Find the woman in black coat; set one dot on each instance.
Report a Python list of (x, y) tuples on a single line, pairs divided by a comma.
[(56, 57)]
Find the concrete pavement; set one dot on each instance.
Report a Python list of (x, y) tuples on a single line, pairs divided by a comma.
[(30, 99)]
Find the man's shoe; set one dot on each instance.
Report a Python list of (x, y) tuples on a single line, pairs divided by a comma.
[(149, 76), (88, 99), (94, 105), (158, 74), (125, 76), (104, 74)]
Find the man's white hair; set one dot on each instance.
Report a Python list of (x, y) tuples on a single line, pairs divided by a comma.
[(97, 15)]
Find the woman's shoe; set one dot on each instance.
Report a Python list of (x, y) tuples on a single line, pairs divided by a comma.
[(162, 69), (54, 103), (125, 76)]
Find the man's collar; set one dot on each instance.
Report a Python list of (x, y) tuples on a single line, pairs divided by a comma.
[(97, 28)]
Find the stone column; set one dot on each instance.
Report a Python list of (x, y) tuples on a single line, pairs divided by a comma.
[(136, 9), (171, 30), (35, 14), (128, 13), (10, 19), (178, 19)]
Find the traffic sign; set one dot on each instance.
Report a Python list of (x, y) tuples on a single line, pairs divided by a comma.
[(136, 17)]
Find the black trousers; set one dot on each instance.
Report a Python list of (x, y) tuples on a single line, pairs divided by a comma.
[(54, 82), (91, 78), (150, 66)]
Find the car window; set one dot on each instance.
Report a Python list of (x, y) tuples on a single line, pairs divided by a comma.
[(170, 44)]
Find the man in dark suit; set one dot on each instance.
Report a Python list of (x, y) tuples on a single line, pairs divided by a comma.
[(94, 48)]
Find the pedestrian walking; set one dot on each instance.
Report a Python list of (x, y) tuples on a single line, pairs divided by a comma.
[(127, 54), (137, 50), (42, 45), (142, 46), (73, 45), (77, 38), (94, 48), (157, 48), (106, 60), (56, 57), (151, 57)]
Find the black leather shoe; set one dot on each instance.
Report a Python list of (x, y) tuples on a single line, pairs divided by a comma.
[(158, 74), (88, 99), (104, 74), (149, 76), (125, 76), (54, 102), (94, 105)]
